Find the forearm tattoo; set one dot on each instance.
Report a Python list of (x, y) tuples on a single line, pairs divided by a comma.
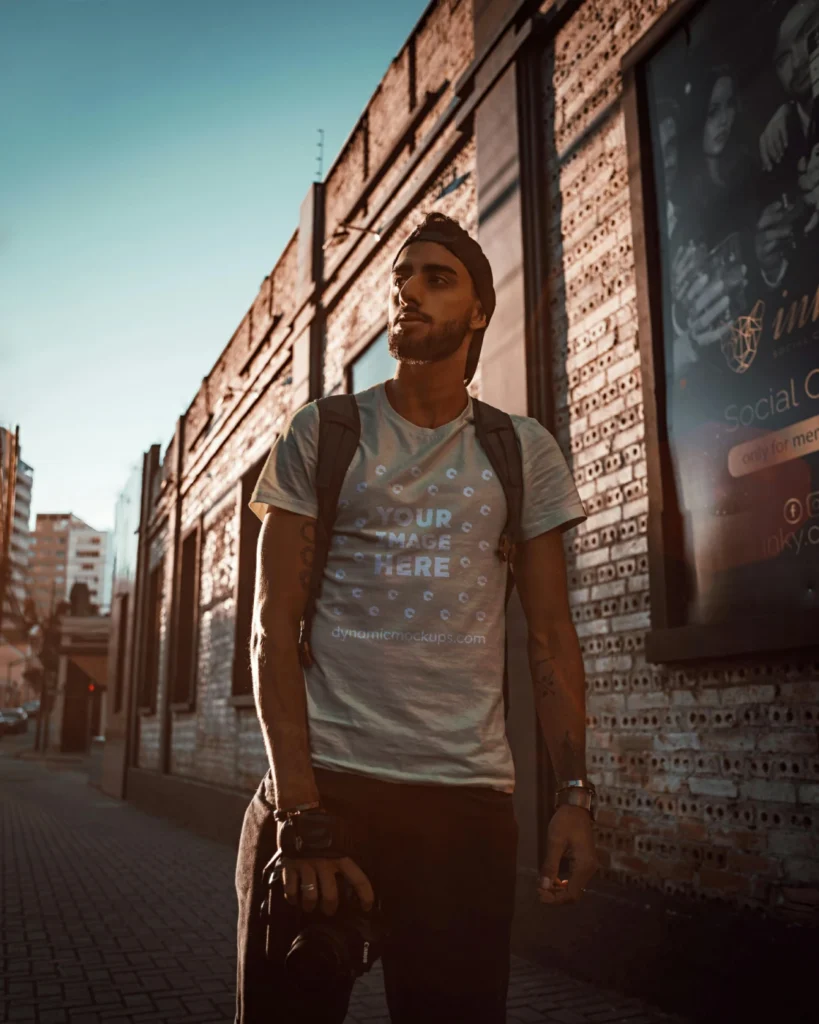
[(545, 681), (307, 553)]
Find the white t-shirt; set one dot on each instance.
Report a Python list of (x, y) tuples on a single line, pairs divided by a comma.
[(408, 635)]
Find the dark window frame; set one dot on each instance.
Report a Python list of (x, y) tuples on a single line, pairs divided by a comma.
[(188, 585)]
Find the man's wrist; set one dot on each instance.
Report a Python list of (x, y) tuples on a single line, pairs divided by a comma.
[(577, 793), (286, 811)]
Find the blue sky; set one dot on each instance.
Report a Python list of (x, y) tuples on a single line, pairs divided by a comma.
[(155, 154)]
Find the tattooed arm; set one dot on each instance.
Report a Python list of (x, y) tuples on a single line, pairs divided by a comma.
[(560, 695), (284, 559), (555, 658)]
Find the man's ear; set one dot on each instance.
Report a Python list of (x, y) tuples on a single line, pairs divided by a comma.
[(478, 317)]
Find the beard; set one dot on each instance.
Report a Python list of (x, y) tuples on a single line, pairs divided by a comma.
[(438, 342)]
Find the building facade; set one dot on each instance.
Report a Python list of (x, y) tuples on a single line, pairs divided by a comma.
[(89, 562), (15, 497), (20, 551), (544, 129), (76, 704), (65, 550)]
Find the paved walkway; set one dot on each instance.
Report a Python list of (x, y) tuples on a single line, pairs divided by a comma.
[(109, 915)]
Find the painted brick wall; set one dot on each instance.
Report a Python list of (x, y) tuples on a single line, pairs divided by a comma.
[(708, 775)]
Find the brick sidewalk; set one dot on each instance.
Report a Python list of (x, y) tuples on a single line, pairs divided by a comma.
[(112, 915)]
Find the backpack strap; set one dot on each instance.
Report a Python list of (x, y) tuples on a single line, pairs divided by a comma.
[(498, 438), (339, 432)]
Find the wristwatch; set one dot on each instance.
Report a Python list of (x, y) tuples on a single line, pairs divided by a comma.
[(579, 793)]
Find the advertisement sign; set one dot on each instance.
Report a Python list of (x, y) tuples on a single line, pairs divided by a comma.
[(735, 143)]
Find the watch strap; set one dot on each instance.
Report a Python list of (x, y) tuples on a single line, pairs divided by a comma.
[(289, 812)]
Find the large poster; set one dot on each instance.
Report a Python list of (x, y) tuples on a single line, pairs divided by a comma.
[(733, 122)]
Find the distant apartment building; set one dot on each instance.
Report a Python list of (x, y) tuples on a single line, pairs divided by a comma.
[(89, 561), (66, 550), (16, 479), (20, 547)]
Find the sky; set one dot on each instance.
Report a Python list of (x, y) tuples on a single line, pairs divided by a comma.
[(154, 157)]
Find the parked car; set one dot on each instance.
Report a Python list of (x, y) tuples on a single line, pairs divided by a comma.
[(16, 719), (31, 708), (8, 722)]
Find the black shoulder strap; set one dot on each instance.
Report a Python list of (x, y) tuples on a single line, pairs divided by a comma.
[(339, 432), (498, 438)]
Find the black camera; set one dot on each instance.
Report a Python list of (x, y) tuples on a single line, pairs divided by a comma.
[(327, 951)]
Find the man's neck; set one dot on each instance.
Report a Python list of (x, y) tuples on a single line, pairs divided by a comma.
[(427, 404)]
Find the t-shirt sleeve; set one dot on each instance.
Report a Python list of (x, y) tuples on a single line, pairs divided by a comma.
[(288, 479), (550, 498)]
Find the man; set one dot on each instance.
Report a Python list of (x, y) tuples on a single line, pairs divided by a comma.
[(784, 251), (399, 730)]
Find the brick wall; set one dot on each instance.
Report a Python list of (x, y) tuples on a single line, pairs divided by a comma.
[(708, 775)]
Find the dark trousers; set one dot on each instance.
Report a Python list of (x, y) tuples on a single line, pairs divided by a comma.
[(442, 861)]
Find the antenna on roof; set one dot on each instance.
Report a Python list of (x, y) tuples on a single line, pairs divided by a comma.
[(320, 157)]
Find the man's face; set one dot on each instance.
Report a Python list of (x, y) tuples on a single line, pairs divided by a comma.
[(432, 305), (792, 58)]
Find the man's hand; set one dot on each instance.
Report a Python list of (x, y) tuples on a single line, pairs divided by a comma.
[(773, 232), (570, 835), (321, 872), (774, 140), (708, 305)]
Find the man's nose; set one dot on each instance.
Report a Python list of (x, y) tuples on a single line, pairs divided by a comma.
[(410, 294)]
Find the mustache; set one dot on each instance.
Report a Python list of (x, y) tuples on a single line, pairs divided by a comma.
[(412, 312)]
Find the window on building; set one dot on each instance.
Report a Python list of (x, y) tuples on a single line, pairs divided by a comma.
[(183, 687), (122, 635), (96, 540), (249, 529), (373, 365), (150, 672), (86, 566)]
